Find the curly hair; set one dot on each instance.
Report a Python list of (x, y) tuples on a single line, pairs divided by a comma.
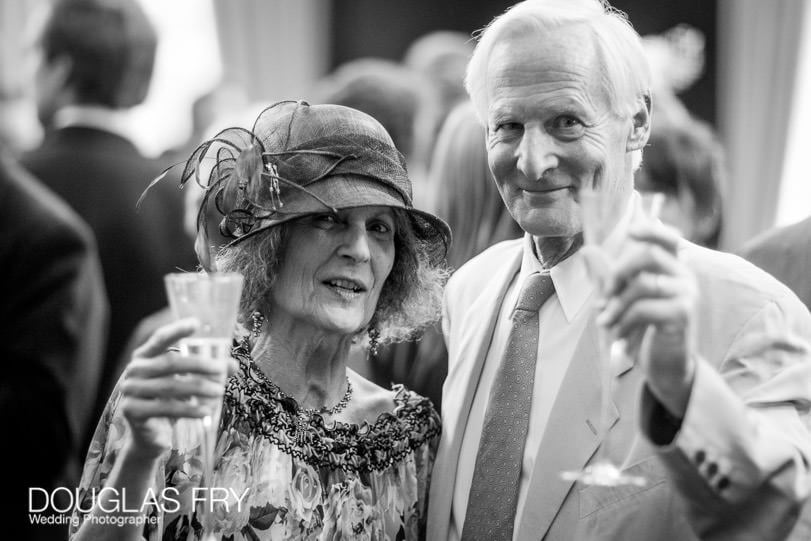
[(410, 300)]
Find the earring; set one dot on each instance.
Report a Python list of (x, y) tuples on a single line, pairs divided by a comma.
[(374, 334), (257, 319)]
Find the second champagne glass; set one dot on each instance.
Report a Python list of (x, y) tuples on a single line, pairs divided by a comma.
[(598, 219)]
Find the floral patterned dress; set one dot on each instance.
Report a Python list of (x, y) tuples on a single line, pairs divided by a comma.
[(293, 480)]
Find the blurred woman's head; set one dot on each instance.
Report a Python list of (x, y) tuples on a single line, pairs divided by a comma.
[(464, 192)]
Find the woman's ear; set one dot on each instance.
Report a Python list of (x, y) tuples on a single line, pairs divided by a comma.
[(640, 129)]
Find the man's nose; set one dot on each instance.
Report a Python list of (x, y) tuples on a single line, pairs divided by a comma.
[(355, 244), (537, 153)]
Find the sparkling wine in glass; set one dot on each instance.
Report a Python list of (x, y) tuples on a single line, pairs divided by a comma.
[(213, 299), (599, 217)]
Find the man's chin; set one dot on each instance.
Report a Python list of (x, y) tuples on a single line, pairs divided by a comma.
[(543, 228)]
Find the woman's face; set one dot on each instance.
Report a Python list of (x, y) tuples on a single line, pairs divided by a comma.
[(333, 269)]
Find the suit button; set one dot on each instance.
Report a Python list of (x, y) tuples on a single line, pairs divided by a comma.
[(712, 469), (723, 482), (700, 456)]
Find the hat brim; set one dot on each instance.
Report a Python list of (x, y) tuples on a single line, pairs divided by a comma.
[(344, 192)]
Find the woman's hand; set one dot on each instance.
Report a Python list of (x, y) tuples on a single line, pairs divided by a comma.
[(650, 300), (160, 386)]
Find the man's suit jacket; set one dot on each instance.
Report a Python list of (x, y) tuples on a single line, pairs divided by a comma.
[(53, 318), (101, 175), (740, 469)]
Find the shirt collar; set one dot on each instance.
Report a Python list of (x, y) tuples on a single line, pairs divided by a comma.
[(570, 277), (115, 121)]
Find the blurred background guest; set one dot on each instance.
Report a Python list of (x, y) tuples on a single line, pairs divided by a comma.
[(464, 191), (94, 63), (465, 196), (676, 58), (684, 158), (785, 253), (225, 97), (402, 99), (52, 330), (684, 161), (442, 55)]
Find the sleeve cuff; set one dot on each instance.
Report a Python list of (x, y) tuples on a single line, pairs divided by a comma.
[(708, 433)]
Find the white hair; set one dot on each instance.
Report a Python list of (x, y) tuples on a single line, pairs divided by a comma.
[(624, 65)]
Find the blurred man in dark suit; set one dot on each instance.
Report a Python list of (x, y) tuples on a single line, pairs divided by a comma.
[(95, 62), (52, 327)]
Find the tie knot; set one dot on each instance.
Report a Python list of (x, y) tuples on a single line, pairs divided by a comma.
[(536, 290)]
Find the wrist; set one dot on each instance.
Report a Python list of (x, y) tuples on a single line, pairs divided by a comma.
[(135, 454), (673, 390)]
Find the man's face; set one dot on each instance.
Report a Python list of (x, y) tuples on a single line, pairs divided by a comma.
[(550, 129)]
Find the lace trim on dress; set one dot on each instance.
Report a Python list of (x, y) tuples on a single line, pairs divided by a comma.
[(256, 406)]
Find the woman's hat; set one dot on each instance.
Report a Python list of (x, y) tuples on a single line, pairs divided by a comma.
[(301, 159)]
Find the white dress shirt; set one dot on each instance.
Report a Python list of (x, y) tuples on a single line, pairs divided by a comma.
[(561, 321)]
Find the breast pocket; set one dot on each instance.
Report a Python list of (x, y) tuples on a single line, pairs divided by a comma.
[(594, 499)]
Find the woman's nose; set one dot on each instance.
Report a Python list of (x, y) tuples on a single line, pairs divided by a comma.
[(355, 244)]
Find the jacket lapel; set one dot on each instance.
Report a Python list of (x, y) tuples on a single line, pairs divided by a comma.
[(571, 435), (475, 333)]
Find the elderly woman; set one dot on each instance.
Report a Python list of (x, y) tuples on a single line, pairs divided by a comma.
[(316, 210)]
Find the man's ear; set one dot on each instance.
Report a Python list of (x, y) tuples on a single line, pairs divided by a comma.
[(54, 80), (60, 69), (640, 129)]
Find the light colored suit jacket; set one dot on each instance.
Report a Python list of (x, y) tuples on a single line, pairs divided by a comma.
[(738, 467)]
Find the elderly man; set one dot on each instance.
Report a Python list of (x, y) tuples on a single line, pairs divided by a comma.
[(709, 406)]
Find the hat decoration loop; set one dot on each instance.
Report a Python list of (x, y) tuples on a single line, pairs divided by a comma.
[(245, 185)]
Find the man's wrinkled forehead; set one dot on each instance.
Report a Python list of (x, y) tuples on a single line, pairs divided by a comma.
[(559, 56), (567, 44)]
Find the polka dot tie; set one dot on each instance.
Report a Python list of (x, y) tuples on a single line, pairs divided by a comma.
[(493, 494)]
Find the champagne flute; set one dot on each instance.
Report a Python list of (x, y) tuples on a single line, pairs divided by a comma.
[(213, 299), (598, 217)]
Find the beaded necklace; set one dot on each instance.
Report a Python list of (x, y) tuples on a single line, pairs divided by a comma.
[(303, 415)]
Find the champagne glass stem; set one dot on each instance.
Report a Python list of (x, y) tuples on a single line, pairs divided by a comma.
[(208, 427), (597, 215), (606, 399)]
